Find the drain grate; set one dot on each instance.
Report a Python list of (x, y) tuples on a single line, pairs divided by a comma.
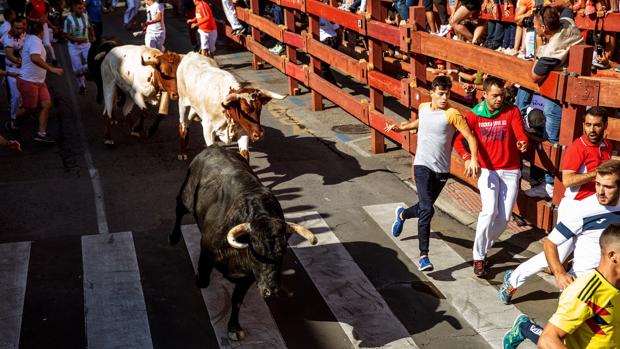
[(351, 129)]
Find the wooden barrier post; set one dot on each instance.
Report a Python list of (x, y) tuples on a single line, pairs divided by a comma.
[(257, 63), (417, 74), (375, 58), (291, 52), (315, 64)]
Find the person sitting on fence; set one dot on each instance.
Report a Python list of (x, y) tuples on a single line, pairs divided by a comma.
[(499, 130), (207, 29), (231, 16), (586, 315), (278, 19), (561, 33), (579, 163), (604, 43), (436, 126), (464, 10), (329, 36)]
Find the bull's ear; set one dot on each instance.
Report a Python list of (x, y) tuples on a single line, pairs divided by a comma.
[(150, 58), (230, 100), (266, 96)]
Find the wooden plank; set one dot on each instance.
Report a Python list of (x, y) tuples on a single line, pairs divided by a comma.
[(613, 129), (383, 32), (379, 121), (299, 73), (295, 40), (608, 95), (264, 25), (261, 51), (342, 98), (353, 21), (385, 83), (293, 4), (334, 58)]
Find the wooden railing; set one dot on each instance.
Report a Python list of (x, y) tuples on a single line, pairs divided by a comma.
[(574, 88)]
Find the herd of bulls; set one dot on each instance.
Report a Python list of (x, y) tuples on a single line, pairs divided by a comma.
[(244, 235)]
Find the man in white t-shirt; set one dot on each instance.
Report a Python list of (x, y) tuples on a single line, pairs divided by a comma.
[(9, 15), (31, 82), (155, 27), (13, 42), (78, 28)]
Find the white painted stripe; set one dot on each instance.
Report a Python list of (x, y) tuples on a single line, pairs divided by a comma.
[(113, 300), (260, 329), (14, 259), (102, 221), (474, 298), (357, 148), (361, 311)]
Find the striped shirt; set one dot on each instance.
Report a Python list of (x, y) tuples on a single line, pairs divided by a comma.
[(586, 223)]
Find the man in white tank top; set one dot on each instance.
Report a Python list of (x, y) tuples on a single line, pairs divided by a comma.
[(436, 125)]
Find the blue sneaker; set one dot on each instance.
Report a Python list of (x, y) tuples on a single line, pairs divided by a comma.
[(514, 337), (397, 226), (425, 264), (505, 290)]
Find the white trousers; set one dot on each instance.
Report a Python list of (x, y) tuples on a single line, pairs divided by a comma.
[(538, 263), (155, 40), (498, 192), (231, 16), (207, 40), (47, 43), (15, 96), (131, 11), (79, 55)]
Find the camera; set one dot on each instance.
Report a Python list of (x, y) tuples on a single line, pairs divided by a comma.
[(528, 22)]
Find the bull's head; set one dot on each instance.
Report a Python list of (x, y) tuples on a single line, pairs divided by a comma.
[(244, 107), (165, 65), (266, 240)]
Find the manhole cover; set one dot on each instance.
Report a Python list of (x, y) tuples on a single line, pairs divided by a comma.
[(351, 129)]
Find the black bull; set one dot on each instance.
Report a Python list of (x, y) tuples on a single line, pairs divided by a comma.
[(243, 230)]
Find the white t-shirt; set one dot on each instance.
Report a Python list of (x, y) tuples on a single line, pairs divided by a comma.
[(4, 28), (151, 14), (586, 222), (17, 45), (30, 71)]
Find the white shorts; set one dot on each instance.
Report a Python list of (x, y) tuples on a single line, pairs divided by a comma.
[(207, 40), (155, 40)]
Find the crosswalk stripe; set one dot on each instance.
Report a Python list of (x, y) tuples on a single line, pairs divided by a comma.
[(114, 305), (475, 299), (255, 318), (14, 259), (362, 313)]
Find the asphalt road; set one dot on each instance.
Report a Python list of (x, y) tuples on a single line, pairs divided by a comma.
[(57, 197)]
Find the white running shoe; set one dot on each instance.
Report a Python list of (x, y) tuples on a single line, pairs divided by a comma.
[(542, 190)]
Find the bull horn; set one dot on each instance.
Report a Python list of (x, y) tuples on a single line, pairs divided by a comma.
[(303, 232), (148, 58), (236, 231), (232, 97), (272, 95), (99, 56)]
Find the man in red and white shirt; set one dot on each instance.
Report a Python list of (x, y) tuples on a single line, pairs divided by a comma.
[(579, 163), (501, 137)]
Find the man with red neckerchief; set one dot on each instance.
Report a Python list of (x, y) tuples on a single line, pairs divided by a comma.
[(501, 136)]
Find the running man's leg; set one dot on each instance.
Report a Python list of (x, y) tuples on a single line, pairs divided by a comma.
[(508, 190), (488, 184)]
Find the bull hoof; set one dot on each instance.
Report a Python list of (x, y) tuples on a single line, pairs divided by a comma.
[(174, 237), (182, 156), (201, 283), (236, 335), (245, 154)]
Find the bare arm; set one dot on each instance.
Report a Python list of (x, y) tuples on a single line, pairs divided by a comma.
[(552, 338), (404, 126), (562, 278), (472, 167), (10, 54), (38, 60), (535, 77), (572, 179)]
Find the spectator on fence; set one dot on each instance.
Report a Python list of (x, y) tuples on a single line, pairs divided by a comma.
[(13, 42), (436, 125), (586, 316), (356, 6), (78, 32), (207, 29), (604, 43), (329, 36), (31, 81), (499, 130), (561, 33), (500, 35), (94, 9), (464, 9), (231, 16), (579, 163), (37, 11), (278, 19), (10, 144)]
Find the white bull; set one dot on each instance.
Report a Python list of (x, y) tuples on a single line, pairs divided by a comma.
[(226, 109), (144, 75)]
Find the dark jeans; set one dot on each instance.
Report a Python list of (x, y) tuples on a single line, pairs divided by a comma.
[(402, 6), (495, 34), (510, 30), (429, 184)]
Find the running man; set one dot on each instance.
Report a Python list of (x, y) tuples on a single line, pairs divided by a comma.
[(436, 125), (586, 316), (36, 11), (78, 29), (155, 27), (13, 42), (579, 164), (207, 30), (499, 129)]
